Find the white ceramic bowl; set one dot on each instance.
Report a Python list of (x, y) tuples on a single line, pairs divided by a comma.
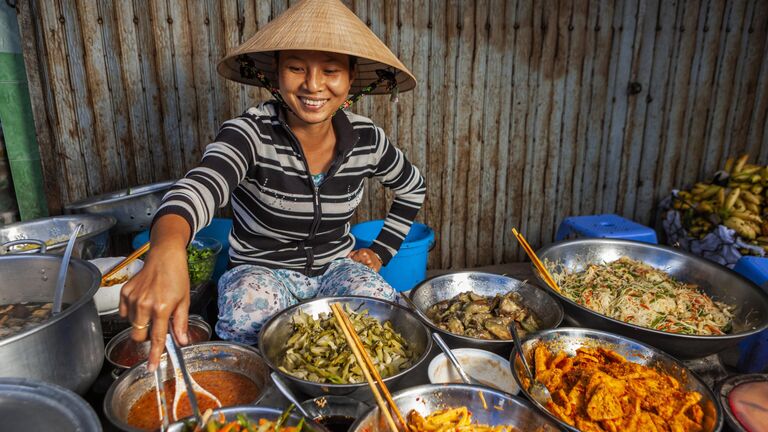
[(108, 298), (487, 367)]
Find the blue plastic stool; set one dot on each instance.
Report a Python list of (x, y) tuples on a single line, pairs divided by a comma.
[(753, 357), (605, 225), (409, 266)]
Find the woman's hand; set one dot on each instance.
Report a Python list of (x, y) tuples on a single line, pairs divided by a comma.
[(160, 290), (366, 257)]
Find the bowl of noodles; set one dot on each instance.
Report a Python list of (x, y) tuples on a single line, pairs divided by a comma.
[(454, 407), (683, 304)]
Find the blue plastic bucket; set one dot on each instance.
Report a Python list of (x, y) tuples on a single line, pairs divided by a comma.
[(218, 229), (409, 266)]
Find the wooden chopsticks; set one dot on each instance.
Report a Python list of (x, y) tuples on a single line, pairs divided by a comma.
[(129, 259), (368, 368), (536, 262)]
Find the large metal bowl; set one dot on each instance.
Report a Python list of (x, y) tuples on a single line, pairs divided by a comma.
[(254, 413), (133, 208), (720, 283), (499, 409), (444, 287), (226, 356), (54, 232), (279, 328), (569, 339)]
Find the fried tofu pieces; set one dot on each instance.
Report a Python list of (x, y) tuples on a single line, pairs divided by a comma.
[(598, 390)]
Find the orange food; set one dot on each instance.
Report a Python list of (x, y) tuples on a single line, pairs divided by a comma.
[(230, 387), (599, 390)]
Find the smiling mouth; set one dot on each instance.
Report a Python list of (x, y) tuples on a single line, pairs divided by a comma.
[(313, 103)]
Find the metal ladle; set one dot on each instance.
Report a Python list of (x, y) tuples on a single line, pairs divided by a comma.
[(58, 293), (538, 391), (455, 362), (283, 388), (184, 381)]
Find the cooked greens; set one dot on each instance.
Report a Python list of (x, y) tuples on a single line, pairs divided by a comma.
[(200, 263), (317, 350), (473, 315)]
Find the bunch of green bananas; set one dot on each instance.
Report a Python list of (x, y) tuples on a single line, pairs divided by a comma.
[(736, 197)]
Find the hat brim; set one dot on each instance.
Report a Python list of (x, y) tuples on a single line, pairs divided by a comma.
[(365, 71)]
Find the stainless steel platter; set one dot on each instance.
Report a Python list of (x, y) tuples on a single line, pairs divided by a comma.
[(444, 287), (720, 283), (279, 328), (499, 409), (133, 208), (569, 339), (25, 237)]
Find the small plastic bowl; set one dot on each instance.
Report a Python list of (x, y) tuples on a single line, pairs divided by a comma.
[(107, 298), (200, 262), (489, 368)]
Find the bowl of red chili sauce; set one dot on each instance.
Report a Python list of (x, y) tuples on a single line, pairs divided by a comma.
[(235, 373)]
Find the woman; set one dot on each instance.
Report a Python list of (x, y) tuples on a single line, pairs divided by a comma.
[(293, 169)]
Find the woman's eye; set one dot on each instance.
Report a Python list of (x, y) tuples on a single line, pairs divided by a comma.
[(331, 71), (294, 68)]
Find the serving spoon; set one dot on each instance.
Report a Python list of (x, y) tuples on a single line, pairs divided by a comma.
[(184, 381), (538, 391), (468, 379), (58, 293)]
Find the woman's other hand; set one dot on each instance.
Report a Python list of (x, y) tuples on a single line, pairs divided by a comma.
[(161, 289), (366, 257)]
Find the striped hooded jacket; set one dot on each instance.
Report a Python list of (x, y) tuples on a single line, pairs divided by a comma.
[(281, 219)]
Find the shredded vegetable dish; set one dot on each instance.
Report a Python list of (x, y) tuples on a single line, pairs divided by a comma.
[(599, 390), (450, 420), (317, 350), (636, 293)]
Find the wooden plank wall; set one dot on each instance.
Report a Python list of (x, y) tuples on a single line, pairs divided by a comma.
[(526, 111)]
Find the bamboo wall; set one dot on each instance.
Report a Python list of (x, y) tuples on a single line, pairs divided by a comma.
[(526, 111)]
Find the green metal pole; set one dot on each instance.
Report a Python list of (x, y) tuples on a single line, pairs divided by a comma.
[(17, 121)]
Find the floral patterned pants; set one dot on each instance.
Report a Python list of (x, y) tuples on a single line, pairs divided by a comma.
[(249, 295)]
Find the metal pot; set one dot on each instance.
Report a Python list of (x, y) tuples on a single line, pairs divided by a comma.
[(133, 208), (33, 405), (66, 349), (54, 232)]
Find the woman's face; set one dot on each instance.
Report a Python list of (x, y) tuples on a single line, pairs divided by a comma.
[(314, 84)]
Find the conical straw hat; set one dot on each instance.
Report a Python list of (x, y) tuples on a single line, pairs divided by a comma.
[(321, 25)]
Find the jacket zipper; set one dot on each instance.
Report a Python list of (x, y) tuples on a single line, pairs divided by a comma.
[(316, 202)]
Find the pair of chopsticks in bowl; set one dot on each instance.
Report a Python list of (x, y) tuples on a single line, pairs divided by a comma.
[(369, 370), (536, 261), (122, 264)]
